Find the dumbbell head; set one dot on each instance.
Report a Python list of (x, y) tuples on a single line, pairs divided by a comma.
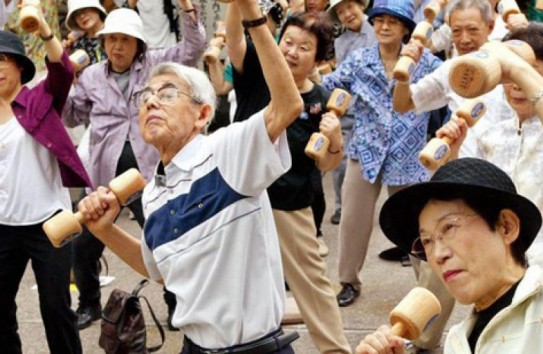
[(127, 184), (474, 74), (62, 227), (339, 102), (415, 312)]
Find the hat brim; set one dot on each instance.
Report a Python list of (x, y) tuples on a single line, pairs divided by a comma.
[(28, 68), (399, 217), (333, 5), (71, 23), (376, 11)]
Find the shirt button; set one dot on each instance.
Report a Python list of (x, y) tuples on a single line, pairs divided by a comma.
[(172, 212), (176, 230)]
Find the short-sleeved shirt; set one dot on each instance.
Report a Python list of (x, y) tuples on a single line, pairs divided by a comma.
[(385, 142), (211, 237), (252, 92), (293, 191)]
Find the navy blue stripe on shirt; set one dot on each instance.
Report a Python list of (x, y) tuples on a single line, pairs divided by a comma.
[(208, 196)]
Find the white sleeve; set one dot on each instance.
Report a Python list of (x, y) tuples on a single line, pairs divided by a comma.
[(442, 38), (247, 159), (431, 91), (149, 261)]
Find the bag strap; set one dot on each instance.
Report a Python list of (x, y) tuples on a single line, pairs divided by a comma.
[(140, 286), (135, 293), (159, 326)]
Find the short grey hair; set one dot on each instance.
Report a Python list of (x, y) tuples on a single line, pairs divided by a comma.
[(197, 81), (482, 5)]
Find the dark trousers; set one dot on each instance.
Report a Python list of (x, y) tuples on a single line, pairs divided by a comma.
[(51, 266), (87, 249), (318, 207)]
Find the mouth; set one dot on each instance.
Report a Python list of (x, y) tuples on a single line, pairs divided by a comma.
[(153, 119), (450, 275)]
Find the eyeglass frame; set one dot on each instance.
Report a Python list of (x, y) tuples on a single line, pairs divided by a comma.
[(136, 96), (421, 254)]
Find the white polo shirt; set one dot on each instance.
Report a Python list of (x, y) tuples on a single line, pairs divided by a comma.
[(211, 237), (434, 91)]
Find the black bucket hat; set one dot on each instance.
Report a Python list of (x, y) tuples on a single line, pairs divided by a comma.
[(12, 45), (399, 218)]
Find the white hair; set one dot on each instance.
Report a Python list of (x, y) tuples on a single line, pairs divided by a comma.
[(197, 81)]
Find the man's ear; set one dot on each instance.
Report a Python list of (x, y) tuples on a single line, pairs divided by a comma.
[(206, 113), (509, 225)]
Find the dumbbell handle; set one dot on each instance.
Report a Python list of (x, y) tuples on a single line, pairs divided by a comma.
[(405, 66)]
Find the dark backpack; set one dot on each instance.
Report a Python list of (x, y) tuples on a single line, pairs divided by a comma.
[(123, 328)]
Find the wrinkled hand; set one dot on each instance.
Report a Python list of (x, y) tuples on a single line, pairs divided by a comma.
[(413, 49), (456, 130), (381, 341), (330, 125), (100, 209), (516, 21)]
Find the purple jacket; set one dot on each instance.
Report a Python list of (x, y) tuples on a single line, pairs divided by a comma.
[(38, 111)]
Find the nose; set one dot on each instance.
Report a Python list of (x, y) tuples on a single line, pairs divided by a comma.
[(441, 251)]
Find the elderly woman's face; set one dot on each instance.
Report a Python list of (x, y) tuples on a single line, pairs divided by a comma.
[(121, 50), (389, 29), (10, 75), (168, 114), (351, 14), (470, 259), (518, 100)]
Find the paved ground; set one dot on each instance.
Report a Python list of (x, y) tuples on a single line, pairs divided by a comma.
[(385, 284)]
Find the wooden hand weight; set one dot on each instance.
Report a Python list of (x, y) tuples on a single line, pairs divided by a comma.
[(477, 73), (62, 227), (29, 16), (220, 30), (318, 143), (432, 10), (414, 313), (80, 60), (437, 151), (507, 8), (406, 65)]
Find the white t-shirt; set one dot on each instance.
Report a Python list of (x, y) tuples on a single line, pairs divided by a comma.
[(5, 12), (156, 24), (211, 237), (31, 187)]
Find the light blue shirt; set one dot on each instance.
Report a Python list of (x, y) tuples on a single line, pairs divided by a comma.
[(384, 141)]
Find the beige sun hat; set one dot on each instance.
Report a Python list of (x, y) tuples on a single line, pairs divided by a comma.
[(74, 5), (333, 3), (124, 21)]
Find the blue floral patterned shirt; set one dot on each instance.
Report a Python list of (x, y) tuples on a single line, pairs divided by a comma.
[(384, 142)]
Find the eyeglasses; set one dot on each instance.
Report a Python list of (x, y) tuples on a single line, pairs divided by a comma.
[(445, 232), (166, 95)]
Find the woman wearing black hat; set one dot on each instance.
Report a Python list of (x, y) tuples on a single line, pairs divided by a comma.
[(37, 162), (473, 228)]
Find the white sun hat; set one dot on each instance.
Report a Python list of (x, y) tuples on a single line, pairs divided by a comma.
[(124, 21), (333, 3), (74, 5)]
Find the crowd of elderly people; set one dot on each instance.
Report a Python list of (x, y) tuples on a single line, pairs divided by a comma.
[(230, 219)]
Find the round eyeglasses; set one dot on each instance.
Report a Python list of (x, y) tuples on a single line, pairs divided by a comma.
[(166, 95), (445, 231)]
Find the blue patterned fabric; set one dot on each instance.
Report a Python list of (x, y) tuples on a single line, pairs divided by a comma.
[(383, 141)]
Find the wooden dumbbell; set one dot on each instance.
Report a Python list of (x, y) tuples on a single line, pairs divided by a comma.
[(29, 16), (213, 51), (507, 8), (477, 73), (414, 313), (432, 10), (318, 143), (406, 64), (62, 227), (437, 151), (80, 60)]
